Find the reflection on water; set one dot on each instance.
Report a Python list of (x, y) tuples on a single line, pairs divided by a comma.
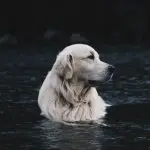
[(69, 137), (127, 125)]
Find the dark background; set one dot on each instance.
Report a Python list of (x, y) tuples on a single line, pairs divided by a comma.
[(104, 21), (32, 33)]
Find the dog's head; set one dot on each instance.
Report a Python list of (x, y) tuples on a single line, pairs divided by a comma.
[(83, 62)]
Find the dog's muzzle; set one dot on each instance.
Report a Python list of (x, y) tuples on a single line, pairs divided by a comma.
[(110, 71)]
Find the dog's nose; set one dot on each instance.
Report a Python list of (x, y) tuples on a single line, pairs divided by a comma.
[(111, 69)]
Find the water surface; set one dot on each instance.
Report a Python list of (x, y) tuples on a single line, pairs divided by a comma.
[(127, 122)]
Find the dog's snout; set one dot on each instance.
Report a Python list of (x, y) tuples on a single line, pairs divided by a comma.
[(111, 69)]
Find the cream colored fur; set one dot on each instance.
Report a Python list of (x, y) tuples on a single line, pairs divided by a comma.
[(65, 94)]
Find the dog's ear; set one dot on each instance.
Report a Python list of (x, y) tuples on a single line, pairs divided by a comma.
[(68, 70)]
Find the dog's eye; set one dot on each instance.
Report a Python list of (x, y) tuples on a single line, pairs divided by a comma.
[(91, 56)]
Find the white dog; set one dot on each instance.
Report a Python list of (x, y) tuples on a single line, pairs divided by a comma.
[(68, 92)]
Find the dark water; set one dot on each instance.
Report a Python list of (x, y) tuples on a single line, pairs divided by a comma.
[(22, 127)]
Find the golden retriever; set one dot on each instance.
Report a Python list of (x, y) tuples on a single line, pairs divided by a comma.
[(68, 92)]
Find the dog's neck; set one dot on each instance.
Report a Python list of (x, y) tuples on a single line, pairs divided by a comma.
[(74, 90), (80, 87)]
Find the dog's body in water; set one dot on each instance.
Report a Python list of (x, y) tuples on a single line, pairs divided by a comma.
[(68, 93)]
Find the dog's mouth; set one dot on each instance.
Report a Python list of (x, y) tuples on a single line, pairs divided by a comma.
[(98, 82)]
